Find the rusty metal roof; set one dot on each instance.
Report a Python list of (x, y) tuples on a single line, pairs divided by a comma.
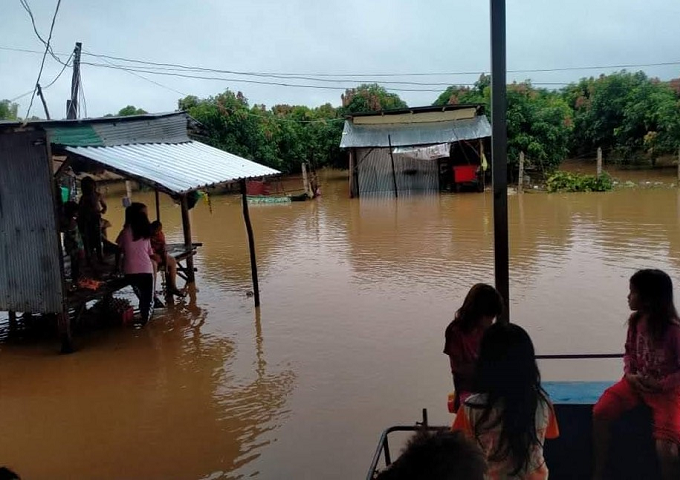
[(408, 134), (174, 167)]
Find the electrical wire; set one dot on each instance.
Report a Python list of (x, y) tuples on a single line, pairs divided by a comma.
[(27, 7), (144, 78), (42, 63), (172, 66)]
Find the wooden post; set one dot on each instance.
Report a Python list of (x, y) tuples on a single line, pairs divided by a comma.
[(128, 190), (64, 324), (679, 167), (305, 180), (186, 225), (13, 325), (251, 243), (599, 161), (158, 205), (520, 179), (394, 173), (352, 174)]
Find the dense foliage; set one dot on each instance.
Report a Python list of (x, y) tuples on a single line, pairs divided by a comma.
[(8, 110), (577, 182), (633, 118)]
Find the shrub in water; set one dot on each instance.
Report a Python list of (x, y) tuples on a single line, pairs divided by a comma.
[(577, 182)]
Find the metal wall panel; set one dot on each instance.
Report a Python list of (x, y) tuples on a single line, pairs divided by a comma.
[(30, 270), (412, 176)]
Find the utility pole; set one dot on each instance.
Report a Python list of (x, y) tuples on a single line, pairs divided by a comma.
[(42, 98), (72, 104)]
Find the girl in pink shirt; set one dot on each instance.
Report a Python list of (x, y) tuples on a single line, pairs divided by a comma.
[(135, 245), (482, 305), (651, 372)]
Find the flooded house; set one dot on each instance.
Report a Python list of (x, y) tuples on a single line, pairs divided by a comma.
[(39, 164), (417, 150)]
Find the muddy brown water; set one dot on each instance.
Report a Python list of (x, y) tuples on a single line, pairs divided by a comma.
[(355, 298)]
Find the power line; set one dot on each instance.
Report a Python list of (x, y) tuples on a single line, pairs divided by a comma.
[(42, 63), (27, 7), (359, 75), (144, 78)]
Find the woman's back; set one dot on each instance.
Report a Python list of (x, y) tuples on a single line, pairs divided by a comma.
[(469, 418)]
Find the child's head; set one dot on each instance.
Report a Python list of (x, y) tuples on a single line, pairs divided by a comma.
[(444, 455), (88, 185), (70, 209), (482, 303), (156, 227), (508, 374), (651, 293)]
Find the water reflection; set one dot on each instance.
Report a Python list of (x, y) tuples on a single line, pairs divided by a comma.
[(161, 402), (356, 295)]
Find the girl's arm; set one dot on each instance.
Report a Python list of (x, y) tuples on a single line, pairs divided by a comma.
[(630, 366), (672, 381), (103, 204)]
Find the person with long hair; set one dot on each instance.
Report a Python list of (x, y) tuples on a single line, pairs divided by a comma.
[(482, 305), (91, 208), (135, 246), (651, 372), (511, 415)]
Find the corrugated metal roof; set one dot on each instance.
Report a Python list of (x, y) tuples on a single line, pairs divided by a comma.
[(169, 129), (176, 168), (164, 129), (403, 135), (74, 135)]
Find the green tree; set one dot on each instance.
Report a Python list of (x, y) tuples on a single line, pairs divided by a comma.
[(455, 94), (539, 124), (8, 110), (626, 113), (370, 98)]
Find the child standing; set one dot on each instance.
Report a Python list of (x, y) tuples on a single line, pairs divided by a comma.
[(511, 416), (482, 305), (73, 242), (167, 261), (133, 242), (91, 208), (652, 371)]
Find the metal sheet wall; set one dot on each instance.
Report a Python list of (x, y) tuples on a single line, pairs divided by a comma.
[(30, 270), (412, 176)]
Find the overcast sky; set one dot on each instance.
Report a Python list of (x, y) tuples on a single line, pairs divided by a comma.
[(322, 36)]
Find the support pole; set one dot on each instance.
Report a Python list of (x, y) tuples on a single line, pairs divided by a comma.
[(72, 104), (599, 162), (352, 174), (394, 173), (64, 324), (305, 180), (42, 99), (158, 205), (186, 226), (520, 179), (251, 243), (499, 150), (128, 192), (679, 167), (13, 325)]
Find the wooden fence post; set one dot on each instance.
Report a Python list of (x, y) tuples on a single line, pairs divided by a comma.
[(678, 167), (186, 227), (251, 243), (520, 179), (599, 162)]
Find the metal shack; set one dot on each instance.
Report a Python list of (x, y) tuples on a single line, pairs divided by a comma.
[(153, 149), (416, 150)]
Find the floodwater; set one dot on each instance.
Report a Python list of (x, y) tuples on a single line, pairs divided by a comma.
[(355, 298)]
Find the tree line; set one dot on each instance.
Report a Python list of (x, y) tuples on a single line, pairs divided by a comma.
[(632, 117)]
